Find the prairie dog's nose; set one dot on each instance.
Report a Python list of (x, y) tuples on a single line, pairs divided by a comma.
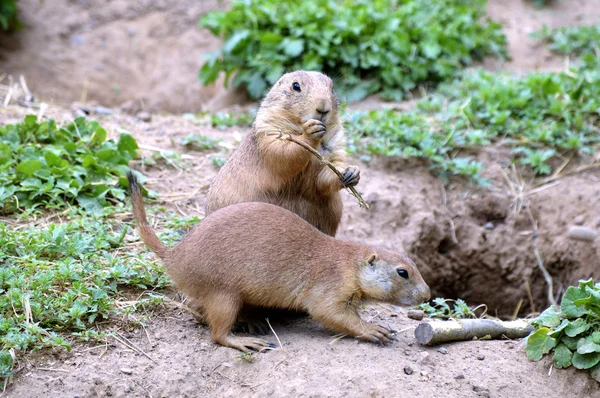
[(323, 108)]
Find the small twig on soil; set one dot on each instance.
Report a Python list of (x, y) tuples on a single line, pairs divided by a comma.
[(571, 172), (517, 309), (123, 340), (430, 333), (273, 330), (53, 370), (288, 137), (337, 338)]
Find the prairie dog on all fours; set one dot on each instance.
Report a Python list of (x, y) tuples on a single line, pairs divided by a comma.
[(261, 255), (267, 169)]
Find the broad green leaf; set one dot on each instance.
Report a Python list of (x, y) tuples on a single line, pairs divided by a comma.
[(576, 327), (30, 121), (233, 43), (539, 343), (562, 356), (549, 318), (596, 337), (586, 345), (567, 305), (5, 153), (30, 166), (90, 204), (556, 332), (595, 372), (99, 137), (293, 48), (585, 361), (127, 144)]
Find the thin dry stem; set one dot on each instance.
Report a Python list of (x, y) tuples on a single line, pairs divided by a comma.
[(273, 330), (288, 137)]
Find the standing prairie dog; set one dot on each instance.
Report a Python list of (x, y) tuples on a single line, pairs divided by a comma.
[(267, 169), (261, 255)]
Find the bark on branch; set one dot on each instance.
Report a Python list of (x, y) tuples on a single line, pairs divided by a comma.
[(431, 333)]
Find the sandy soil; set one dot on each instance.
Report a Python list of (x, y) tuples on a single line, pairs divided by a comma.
[(468, 242)]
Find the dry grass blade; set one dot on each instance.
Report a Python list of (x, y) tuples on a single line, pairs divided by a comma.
[(273, 330), (123, 340), (288, 137)]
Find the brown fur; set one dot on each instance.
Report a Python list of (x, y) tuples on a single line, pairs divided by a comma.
[(261, 255), (267, 169)]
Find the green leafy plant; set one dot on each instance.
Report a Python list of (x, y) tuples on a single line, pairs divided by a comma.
[(44, 165), (571, 331), (385, 46), (441, 309), (540, 117), (199, 142), (8, 15), (571, 40), (223, 120)]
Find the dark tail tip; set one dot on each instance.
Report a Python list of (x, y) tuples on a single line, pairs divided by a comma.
[(134, 186)]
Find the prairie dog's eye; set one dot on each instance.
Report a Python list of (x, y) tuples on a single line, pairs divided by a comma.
[(402, 272), (296, 86)]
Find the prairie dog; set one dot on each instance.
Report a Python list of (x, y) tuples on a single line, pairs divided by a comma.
[(266, 169), (262, 255)]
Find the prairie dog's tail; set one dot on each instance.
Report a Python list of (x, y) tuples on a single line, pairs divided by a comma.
[(139, 213)]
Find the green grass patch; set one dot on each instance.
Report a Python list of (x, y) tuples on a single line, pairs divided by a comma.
[(222, 120), (572, 40), (43, 165), (381, 46), (570, 332), (539, 117), (58, 280)]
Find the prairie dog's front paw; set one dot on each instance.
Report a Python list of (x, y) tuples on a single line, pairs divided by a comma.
[(351, 176), (315, 129), (376, 334)]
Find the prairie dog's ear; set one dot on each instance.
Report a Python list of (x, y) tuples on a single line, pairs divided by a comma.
[(372, 258)]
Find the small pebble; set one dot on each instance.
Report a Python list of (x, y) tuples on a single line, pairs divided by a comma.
[(102, 110), (408, 370), (416, 314), (443, 350), (144, 116), (582, 233), (480, 357), (489, 225), (127, 371), (459, 376), (579, 220)]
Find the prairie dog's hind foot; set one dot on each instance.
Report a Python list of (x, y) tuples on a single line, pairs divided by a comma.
[(246, 344)]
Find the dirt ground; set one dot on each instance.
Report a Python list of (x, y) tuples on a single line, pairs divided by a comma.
[(469, 243)]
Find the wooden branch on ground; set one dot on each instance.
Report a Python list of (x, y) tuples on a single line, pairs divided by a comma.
[(436, 332), (288, 137)]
